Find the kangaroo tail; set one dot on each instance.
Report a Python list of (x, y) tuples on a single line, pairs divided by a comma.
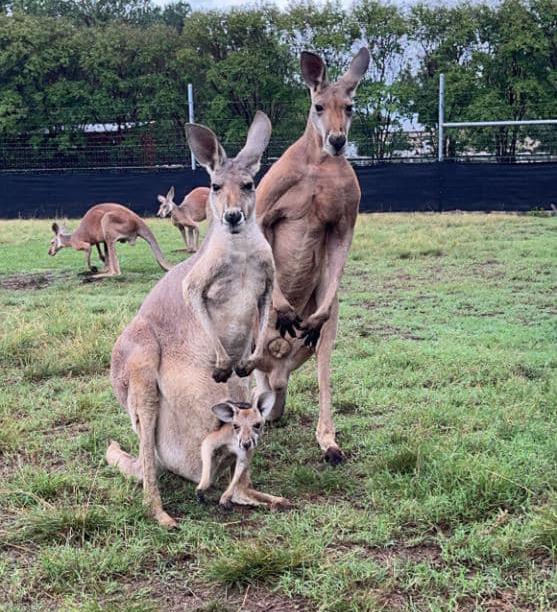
[(149, 237)]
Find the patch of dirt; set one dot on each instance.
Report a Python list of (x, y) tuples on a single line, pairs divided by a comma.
[(181, 596), (26, 281), (418, 553), (503, 601), (388, 331)]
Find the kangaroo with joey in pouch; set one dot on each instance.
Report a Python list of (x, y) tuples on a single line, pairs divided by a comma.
[(192, 338)]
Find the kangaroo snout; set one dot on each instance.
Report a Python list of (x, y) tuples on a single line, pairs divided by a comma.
[(337, 141), (233, 217)]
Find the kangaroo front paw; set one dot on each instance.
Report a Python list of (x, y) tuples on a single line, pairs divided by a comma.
[(245, 368), (200, 496), (221, 375), (310, 337), (288, 323)]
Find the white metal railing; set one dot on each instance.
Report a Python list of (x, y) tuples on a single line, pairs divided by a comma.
[(442, 124)]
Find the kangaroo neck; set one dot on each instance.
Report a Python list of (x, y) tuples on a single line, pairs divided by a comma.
[(313, 144), (223, 235)]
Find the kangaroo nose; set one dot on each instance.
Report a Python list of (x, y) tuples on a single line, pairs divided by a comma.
[(247, 444), (233, 217), (338, 141)]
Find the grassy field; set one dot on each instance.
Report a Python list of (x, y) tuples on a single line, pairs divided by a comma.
[(446, 403)]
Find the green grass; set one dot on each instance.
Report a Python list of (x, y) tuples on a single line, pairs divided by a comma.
[(445, 392)]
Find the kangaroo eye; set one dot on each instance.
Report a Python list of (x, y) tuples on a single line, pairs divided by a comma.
[(257, 426), (349, 108), (319, 108), (215, 187), (236, 427), (247, 186)]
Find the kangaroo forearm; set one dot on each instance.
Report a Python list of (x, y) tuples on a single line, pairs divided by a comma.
[(194, 292), (208, 447)]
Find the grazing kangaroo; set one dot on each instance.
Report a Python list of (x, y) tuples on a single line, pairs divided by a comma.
[(196, 326), (187, 216), (106, 224), (241, 425), (307, 205)]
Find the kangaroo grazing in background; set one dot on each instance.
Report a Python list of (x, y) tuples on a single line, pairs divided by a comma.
[(241, 425), (106, 224), (307, 205), (196, 326), (187, 216)]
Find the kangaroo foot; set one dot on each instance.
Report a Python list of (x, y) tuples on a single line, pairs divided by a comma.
[(334, 455), (165, 520), (200, 496), (226, 505)]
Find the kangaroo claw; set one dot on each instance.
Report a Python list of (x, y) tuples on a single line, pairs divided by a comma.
[(310, 337), (288, 323)]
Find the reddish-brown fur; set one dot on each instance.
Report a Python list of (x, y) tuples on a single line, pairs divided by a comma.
[(106, 224), (307, 206)]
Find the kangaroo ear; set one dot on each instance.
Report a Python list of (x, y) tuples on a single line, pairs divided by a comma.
[(205, 146), (55, 228), (265, 403), (170, 194), (314, 70), (358, 67), (258, 138), (224, 412)]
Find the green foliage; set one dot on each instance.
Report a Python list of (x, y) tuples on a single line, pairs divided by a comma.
[(67, 63)]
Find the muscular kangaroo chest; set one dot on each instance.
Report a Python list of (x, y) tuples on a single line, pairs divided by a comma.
[(313, 206), (236, 290)]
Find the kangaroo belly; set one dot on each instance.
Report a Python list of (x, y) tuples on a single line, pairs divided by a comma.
[(299, 251)]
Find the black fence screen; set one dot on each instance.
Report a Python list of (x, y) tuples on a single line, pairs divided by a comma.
[(395, 187)]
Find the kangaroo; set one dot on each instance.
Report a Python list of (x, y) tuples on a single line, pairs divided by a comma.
[(106, 224), (241, 424), (196, 326), (187, 216), (307, 205)]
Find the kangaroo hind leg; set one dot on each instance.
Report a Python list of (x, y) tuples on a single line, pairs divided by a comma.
[(144, 402)]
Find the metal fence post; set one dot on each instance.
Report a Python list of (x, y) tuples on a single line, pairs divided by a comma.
[(441, 117), (191, 118)]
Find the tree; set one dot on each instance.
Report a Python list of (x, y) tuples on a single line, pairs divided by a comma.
[(382, 102), (238, 65)]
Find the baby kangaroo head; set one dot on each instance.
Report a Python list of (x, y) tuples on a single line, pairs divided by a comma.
[(166, 203), (331, 103), (60, 240), (247, 419), (232, 195)]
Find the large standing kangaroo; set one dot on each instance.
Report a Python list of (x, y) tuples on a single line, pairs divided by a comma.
[(307, 206)]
